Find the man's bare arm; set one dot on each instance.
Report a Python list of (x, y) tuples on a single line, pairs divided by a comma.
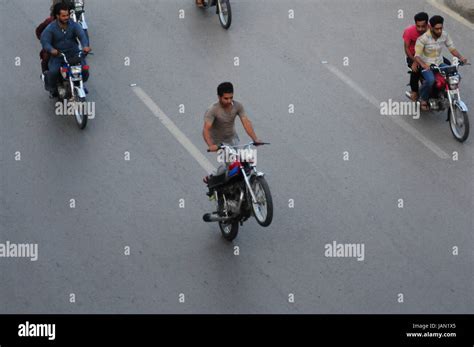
[(249, 128), (206, 134), (458, 55), (407, 50)]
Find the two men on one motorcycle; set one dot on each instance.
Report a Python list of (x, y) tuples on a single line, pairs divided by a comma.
[(428, 52), (44, 55), (61, 36)]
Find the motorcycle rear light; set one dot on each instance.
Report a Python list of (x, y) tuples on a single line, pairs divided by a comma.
[(85, 67), (64, 70)]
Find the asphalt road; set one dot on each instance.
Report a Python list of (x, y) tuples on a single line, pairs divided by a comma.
[(136, 203)]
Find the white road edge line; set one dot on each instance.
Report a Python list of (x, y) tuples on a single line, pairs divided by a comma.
[(442, 7), (397, 120), (174, 130)]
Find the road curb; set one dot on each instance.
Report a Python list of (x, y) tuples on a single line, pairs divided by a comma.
[(465, 8)]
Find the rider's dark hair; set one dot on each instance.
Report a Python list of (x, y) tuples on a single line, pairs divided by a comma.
[(436, 20), (421, 17), (225, 87), (60, 7)]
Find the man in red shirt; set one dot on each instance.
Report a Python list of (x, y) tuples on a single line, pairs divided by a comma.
[(410, 35)]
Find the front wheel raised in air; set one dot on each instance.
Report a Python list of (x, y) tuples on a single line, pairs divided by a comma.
[(460, 130), (225, 13), (229, 230), (263, 207)]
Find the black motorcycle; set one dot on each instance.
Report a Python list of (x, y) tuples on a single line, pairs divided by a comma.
[(240, 191)]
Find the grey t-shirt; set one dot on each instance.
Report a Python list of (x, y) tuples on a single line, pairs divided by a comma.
[(223, 122)]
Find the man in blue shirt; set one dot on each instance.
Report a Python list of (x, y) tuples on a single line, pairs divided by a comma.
[(60, 36)]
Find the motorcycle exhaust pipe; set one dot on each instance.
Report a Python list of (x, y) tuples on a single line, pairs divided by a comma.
[(210, 217)]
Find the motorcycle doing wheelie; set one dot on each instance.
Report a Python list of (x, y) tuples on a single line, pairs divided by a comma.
[(223, 10), (240, 192), (71, 90), (445, 94)]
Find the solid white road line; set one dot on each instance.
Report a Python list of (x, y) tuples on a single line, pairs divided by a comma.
[(173, 129), (397, 120)]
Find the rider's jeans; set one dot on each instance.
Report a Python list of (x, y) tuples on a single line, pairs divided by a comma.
[(429, 80)]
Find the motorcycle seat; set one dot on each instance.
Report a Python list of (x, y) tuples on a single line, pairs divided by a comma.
[(215, 180)]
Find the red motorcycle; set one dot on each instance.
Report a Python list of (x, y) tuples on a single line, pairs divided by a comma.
[(445, 95)]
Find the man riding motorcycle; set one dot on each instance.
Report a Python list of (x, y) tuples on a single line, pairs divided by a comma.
[(428, 52), (219, 122), (60, 36), (410, 35)]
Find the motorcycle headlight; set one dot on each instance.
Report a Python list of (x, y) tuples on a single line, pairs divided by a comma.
[(76, 70), (453, 82)]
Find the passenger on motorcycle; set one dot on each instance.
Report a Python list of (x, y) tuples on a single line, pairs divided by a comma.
[(410, 35), (60, 36)]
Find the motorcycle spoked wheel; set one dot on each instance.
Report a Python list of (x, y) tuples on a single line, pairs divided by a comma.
[(460, 130), (229, 229), (263, 209), (80, 117), (225, 13)]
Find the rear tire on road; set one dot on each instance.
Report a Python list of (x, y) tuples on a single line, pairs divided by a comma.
[(229, 230)]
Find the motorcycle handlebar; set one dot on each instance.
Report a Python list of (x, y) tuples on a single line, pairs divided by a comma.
[(81, 53), (256, 144), (434, 67)]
